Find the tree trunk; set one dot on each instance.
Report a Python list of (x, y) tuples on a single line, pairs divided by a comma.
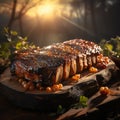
[(92, 10), (86, 13), (12, 14), (20, 26)]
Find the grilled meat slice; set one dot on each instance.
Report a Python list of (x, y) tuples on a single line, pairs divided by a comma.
[(87, 52), (80, 65), (39, 68), (52, 64), (66, 63), (65, 52)]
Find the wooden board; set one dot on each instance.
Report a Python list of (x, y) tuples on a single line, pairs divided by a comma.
[(68, 95), (97, 107)]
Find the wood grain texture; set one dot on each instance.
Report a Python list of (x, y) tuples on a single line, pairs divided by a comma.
[(37, 100)]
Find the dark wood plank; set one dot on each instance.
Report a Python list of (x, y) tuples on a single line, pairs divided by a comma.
[(98, 104)]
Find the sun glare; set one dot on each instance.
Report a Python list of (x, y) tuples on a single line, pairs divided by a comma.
[(47, 10)]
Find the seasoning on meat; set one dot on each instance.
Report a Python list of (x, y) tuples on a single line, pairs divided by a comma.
[(55, 63)]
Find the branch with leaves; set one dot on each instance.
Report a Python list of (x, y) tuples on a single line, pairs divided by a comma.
[(14, 42), (111, 47), (19, 9)]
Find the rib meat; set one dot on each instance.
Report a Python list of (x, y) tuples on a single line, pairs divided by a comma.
[(52, 64)]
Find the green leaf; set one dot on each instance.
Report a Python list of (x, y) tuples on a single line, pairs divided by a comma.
[(14, 42), (18, 45), (5, 54), (83, 101), (109, 46), (25, 38), (14, 33), (6, 30), (60, 110)]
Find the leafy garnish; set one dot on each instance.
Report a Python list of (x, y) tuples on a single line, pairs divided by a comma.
[(111, 47), (14, 43), (60, 110), (81, 103)]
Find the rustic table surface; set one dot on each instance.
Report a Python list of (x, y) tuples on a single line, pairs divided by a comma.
[(97, 105)]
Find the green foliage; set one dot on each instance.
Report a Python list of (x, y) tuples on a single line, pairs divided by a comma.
[(14, 42), (60, 110), (111, 47), (5, 51), (82, 102)]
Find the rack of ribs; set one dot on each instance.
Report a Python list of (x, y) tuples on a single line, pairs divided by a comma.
[(55, 63)]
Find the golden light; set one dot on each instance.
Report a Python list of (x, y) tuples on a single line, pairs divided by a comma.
[(47, 10)]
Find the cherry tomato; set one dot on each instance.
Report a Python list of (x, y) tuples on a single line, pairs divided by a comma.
[(93, 69), (48, 89), (104, 90)]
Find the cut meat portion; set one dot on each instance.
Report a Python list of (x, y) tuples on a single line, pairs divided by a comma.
[(73, 67), (89, 60), (66, 53), (52, 64), (80, 65), (56, 53), (87, 52), (39, 68)]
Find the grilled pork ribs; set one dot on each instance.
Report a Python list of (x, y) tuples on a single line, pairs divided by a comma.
[(55, 63)]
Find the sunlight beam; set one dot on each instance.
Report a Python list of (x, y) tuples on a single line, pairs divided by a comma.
[(47, 9)]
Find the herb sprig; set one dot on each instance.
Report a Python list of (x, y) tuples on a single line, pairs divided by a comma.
[(111, 47)]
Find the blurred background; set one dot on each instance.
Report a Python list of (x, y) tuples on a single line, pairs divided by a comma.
[(49, 21)]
